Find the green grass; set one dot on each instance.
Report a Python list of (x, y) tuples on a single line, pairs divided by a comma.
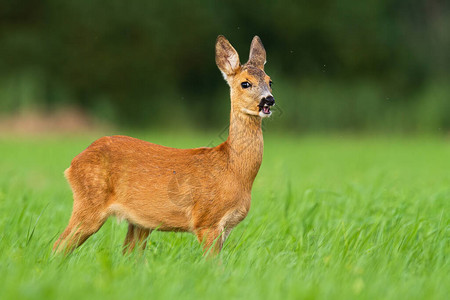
[(332, 218)]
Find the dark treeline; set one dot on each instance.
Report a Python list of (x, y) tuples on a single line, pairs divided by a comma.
[(345, 65)]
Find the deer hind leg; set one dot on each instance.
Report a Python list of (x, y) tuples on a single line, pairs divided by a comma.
[(89, 211), (81, 226), (136, 236)]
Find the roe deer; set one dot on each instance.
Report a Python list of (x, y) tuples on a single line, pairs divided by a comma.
[(205, 191)]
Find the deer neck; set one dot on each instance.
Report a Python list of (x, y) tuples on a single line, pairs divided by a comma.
[(245, 145)]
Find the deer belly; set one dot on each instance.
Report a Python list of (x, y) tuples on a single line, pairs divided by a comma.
[(152, 214)]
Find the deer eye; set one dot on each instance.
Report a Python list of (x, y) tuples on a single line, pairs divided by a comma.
[(245, 84), (270, 83)]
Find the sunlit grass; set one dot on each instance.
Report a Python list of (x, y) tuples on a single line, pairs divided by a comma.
[(331, 217)]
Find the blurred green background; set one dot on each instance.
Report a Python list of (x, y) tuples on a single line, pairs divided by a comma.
[(358, 66)]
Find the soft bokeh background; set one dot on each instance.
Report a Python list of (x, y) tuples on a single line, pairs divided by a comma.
[(354, 66)]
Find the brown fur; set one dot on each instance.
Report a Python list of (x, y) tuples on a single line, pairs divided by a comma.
[(205, 191)]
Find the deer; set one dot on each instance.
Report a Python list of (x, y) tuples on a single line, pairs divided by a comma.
[(205, 191)]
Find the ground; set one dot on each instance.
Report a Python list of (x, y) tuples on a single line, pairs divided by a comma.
[(332, 217)]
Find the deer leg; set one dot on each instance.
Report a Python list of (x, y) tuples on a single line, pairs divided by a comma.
[(212, 240), (90, 194), (136, 236), (82, 225)]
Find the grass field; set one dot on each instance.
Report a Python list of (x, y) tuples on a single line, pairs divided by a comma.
[(332, 217)]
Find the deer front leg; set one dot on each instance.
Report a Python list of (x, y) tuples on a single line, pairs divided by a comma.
[(212, 240)]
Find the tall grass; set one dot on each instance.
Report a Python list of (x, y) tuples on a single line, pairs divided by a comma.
[(331, 218)]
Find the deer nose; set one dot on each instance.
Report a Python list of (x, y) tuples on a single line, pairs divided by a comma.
[(269, 100)]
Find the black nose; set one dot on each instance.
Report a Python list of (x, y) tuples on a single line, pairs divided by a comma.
[(269, 100)]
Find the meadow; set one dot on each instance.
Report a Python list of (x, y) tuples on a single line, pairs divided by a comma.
[(332, 217)]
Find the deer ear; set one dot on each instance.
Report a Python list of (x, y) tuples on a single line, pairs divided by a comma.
[(227, 59), (257, 53)]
